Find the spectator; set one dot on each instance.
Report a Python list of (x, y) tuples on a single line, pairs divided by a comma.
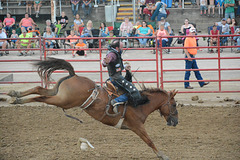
[(203, 7), (111, 34), (34, 33), (72, 42), (238, 9), (51, 25), (148, 9), (49, 34), (126, 27), (27, 22), (87, 3), (159, 11), (75, 3), (63, 20), (29, 4), (14, 35), (233, 24), (87, 31), (8, 22), (178, 4), (37, 5), (143, 31), (3, 43), (77, 23), (229, 8), (162, 32), (213, 40), (103, 30), (229, 21), (191, 63), (225, 31), (211, 6), (168, 28), (186, 26), (220, 7), (142, 5), (237, 38), (23, 43), (80, 45)]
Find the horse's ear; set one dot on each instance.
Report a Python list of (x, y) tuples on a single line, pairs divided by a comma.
[(173, 93), (143, 86)]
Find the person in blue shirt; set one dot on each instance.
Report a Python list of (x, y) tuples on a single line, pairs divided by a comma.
[(143, 31)]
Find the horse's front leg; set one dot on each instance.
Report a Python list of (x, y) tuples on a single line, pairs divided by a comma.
[(141, 132), (36, 90)]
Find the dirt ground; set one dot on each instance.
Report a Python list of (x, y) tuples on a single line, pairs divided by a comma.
[(44, 133)]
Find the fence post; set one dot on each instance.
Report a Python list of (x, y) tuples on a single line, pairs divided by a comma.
[(156, 50), (100, 59), (161, 62), (219, 65)]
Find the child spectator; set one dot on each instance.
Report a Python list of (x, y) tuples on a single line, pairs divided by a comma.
[(77, 23), (29, 7), (213, 40), (37, 5), (80, 45), (8, 22), (162, 32), (72, 42), (111, 34), (14, 35), (211, 6), (203, 7), (63, 20)]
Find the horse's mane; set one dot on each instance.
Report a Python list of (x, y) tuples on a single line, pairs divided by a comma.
[(153, 90)]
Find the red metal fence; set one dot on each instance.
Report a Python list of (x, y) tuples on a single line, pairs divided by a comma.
[(159, 63)]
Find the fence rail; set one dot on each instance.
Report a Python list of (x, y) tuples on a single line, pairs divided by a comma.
[(159, 68)]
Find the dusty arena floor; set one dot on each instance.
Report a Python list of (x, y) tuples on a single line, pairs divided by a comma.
[(44, 133)]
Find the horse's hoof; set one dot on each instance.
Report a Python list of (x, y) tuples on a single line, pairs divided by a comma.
[(13, 93), (14, 100)]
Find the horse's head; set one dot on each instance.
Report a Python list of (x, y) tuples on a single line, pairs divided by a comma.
[(169, 109)]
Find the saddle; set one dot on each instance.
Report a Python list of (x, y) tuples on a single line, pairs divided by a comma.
[(111, 89)]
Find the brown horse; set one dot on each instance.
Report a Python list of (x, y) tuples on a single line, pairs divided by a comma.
[(74, 91)]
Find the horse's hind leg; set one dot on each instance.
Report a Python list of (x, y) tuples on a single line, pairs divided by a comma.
[(36, 90), (141, 132), (54, 100)]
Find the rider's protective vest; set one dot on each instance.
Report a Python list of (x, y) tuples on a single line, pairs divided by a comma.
[(115, 68)]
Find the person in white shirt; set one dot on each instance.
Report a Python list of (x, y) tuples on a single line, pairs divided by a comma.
[(3, 43)]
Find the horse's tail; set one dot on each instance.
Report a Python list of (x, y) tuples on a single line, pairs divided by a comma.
[(46, 68)]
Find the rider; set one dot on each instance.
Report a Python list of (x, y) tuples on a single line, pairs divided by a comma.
[(114, 64)]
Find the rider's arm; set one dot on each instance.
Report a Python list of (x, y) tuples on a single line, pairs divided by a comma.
[(111, 57)]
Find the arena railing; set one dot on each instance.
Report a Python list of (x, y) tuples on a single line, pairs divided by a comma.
[(219, 69), (159, 62), (100, 58)]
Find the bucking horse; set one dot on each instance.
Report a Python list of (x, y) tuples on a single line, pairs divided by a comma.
[(77, 91)]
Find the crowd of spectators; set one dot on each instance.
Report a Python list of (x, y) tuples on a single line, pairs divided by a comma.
[(154, 9)]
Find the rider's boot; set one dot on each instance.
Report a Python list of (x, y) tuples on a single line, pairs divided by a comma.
[(115, 105)]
